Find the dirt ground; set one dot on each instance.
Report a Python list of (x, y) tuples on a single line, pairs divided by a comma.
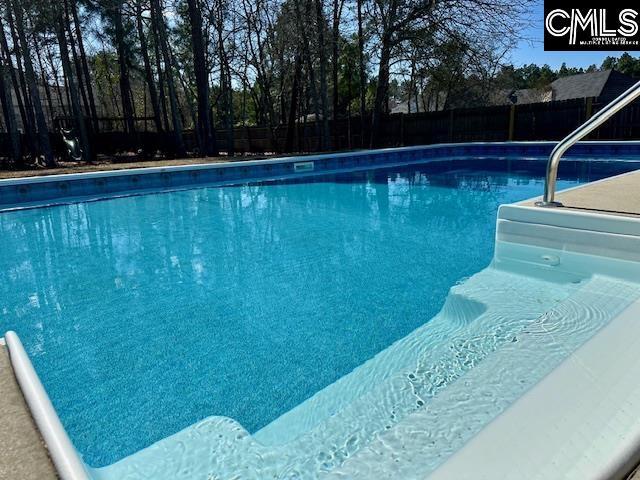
[(67, 167)]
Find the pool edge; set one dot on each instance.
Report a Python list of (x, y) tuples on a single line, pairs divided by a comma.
[(61, 450), (64, 188)]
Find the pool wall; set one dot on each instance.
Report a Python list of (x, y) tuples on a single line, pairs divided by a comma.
[(36, 191)]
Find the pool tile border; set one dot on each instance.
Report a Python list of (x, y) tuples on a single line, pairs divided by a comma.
[(54, 189)]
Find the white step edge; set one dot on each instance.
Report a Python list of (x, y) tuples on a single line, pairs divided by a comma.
[(582, 421), (62, 452)]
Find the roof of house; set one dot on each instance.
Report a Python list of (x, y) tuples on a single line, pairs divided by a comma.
[(582, 85), (522, 96), (605, 84)]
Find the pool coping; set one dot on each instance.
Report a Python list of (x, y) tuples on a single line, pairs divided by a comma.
[(63, 454), (23, 454)]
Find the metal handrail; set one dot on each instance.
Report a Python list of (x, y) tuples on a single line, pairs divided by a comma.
[(579, 133)]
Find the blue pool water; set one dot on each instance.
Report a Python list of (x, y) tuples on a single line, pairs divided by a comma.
[(147, 313)]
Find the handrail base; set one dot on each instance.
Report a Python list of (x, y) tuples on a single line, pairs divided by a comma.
[(542, 203)]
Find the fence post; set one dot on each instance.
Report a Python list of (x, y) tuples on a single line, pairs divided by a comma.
[(402, 129), (589, 110), (512, 122), (588, 113)]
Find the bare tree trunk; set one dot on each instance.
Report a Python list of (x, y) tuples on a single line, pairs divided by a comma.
[(44, 144), (295, 88), (335, 60), (12, 75), (188, 96), (225, 85), (382, 89), (123, 62), (151, 84), (74, 94), (161, 92), (85, 65), (228, 108), (227, 94), (20, 84), (9, 114), (206, 136), (306, 52), (349, 143), (112, 94), (23, 83), (412, 82), (363, 77), (156, 14), (47, 89), (76, 60), (324, 95), (56, 82)]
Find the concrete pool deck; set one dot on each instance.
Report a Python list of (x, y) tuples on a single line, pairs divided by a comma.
[(23, 454), (619, 195)]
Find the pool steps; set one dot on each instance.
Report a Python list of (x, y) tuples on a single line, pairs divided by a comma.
[(423, 442), (586, 418), (432, 343), (334, 423)]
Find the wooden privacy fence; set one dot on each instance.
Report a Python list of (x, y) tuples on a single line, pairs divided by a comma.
[(537, 121)]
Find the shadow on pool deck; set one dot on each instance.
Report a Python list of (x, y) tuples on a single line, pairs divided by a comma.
[(22, 452)]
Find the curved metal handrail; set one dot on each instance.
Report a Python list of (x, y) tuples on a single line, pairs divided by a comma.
[(579, 133)]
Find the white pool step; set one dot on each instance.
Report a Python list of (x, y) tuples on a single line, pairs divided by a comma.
[(473, 310), (423, 440), (581, 422)]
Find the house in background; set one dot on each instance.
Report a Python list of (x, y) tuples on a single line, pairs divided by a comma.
[(604, 86), (425, 102)]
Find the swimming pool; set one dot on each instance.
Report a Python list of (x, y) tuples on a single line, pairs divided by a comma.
[(146, 314)]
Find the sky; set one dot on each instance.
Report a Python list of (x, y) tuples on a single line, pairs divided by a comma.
[(532, 51)]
